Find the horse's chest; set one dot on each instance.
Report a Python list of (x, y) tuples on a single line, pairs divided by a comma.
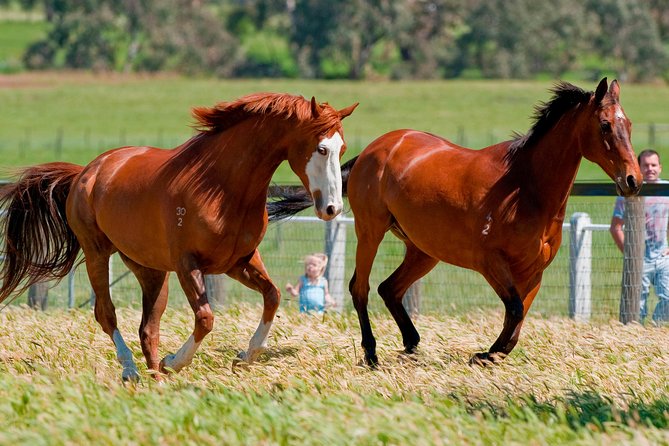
[(227, 242), (549, 243), (533, 253)]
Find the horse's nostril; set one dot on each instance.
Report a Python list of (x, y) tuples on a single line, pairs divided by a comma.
[(631, 182), (330, 210)]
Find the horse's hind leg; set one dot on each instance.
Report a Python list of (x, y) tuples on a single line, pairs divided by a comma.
[(414, 266), (369, 237), (97, 250), (97, 266), (254, 275), (192, 281), (154, 285)]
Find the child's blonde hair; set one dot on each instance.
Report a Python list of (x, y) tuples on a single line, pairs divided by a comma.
[(320, 258)]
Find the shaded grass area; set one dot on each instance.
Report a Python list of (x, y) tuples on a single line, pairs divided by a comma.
[(565, 383)]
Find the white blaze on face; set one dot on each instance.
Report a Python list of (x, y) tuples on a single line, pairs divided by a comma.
[(620, 114), (324, 173)]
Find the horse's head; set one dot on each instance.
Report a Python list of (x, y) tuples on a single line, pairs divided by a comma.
[(317, 160), (609, 143)]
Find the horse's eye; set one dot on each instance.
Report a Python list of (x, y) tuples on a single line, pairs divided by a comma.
[(605, 127), (322, 150)]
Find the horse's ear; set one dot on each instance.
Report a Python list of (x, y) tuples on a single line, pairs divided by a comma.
[(344, 112), (315, 108), (614, 90), (601, 91)]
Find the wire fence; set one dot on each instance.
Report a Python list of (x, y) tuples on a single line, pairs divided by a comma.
[(446, 289)]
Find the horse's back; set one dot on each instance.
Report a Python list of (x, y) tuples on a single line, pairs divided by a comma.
[(415, 167)]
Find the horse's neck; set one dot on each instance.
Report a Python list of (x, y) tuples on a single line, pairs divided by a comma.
[(550, 167), (242, 156)]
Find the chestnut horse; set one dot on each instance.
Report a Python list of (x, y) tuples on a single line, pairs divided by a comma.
[(498, 210), (196, 209)]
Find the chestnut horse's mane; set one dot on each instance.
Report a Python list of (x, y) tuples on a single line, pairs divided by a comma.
[(565, 97), (225, 115)]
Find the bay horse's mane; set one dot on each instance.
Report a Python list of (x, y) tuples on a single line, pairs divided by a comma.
[(225, 115), (546, 114)]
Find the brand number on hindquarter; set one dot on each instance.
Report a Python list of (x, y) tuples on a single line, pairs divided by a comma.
[(180, 215)]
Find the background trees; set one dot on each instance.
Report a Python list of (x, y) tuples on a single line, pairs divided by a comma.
[(357, 38)]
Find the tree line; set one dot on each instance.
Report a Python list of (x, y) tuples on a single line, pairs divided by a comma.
[(357, 39)]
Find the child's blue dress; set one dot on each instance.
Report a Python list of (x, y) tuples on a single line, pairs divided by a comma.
[(312, 296)]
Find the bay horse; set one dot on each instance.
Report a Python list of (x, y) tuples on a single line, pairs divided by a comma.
[(196, 209), (498, 210)]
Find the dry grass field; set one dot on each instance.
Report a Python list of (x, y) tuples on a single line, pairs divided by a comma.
[(565, 383)]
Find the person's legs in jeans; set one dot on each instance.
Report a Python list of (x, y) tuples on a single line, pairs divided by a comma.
[(646, 280), (661, 313)]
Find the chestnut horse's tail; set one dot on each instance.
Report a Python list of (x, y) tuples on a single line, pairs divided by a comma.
[(293, 202), (38, 245)]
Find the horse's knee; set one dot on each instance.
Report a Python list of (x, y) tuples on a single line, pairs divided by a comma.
[(390, 294), (352, 282), (272, 298), (148, 334), (271, 301), (359, 293), (384, 290)]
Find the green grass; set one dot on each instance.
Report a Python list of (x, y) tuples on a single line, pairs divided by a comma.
[(565, 383), (74, 117)]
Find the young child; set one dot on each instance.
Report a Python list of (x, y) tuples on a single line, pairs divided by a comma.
[(312, 287)]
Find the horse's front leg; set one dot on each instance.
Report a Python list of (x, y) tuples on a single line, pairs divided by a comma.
[(516, 307), (252, 273), (192, 282)]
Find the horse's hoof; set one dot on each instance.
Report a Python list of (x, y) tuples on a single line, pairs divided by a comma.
[(163, 367), (372, 361), (404, 356), (485, 359), (240, 361), (410, 349), (130, 375)]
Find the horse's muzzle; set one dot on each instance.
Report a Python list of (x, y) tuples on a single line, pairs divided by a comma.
[(325, 211), (629, 186), (330, 212)]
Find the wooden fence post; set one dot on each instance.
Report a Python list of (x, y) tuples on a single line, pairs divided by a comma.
[(335, 249), (70, 288), (217, 287), (580, 268), (411, 300), (635, 228), (38, 295)]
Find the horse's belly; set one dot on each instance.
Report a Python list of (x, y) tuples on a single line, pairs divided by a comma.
[(449, 240)]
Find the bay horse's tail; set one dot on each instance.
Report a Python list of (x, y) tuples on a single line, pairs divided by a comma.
[(39, 245), (298, 200)]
